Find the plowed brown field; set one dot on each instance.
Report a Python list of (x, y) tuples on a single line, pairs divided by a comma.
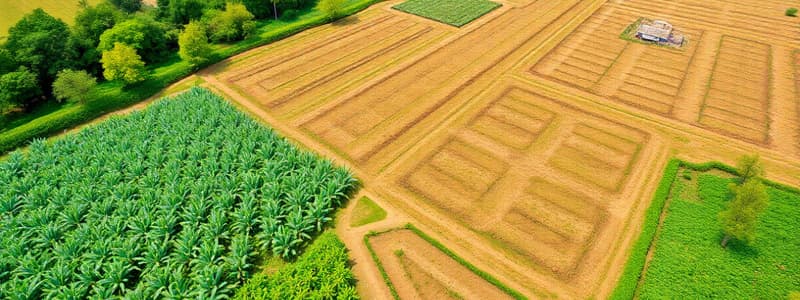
[(530, 141)]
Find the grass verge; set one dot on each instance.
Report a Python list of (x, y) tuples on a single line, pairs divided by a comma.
[(365, 212), (452, 12), (111, 96)]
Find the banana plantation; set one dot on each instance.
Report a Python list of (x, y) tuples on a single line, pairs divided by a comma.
[(172, 202)]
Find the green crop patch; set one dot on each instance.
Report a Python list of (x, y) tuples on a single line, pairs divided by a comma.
[(687, 248), (175, 201), (366, 212), (453, 12)]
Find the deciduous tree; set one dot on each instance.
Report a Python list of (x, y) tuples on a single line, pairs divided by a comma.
[(193, 43), (128, 5), (739, 219), (18, 88), (332, 9), (124, 64), (144, 34), (749, 167), (39, 42), (73, 85), (235, 23)]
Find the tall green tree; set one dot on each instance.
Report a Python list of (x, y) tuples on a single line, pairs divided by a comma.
[(90, 23), (122, 63), (39, 42), (739, 219), (333, 9), (749, 167), (232, 24), (18, 88), (182, 11), (144, 34), (73, 85), (259, 8), (7, 63), (193, 43), (128, 5)]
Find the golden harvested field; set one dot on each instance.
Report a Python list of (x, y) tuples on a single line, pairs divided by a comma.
[(530, 141)]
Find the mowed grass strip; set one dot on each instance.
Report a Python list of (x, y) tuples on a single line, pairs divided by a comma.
[(453, 12), (366, 212), (688, 250)]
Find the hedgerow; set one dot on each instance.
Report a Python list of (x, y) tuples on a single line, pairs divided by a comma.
[(174, 201)]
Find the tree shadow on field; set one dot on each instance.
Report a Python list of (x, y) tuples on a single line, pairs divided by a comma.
[(346, 21), (739, 249)]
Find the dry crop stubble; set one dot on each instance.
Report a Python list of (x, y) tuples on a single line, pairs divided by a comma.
[(723, 81), (538, 203), (295, 80)]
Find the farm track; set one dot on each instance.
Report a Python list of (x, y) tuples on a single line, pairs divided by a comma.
[(522, 141)]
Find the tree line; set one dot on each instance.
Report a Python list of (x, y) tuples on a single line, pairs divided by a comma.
[(44, 59)]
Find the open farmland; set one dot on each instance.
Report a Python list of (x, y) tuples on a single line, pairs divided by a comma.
[(530, 140), (730, 79), (174, 201)]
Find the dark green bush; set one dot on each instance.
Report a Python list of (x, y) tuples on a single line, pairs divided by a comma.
[(791, 12)]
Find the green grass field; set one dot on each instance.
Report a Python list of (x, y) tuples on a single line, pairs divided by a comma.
[(688, 258), (454, 12), (13, 10)]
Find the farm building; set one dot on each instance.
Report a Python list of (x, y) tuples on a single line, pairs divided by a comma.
[(660, 32)]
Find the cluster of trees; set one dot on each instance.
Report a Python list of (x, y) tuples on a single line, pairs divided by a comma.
[(750, 199), (44, 58)]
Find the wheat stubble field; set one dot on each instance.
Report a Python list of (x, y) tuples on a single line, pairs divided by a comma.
[(527, 142)]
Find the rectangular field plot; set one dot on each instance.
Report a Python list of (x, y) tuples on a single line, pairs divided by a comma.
[(737, 100), (291, 80), (416, 269), (599, 153), (454, 12), (596, 59), (532, 175)]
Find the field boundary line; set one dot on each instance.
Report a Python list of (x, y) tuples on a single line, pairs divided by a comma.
[(659, 120)]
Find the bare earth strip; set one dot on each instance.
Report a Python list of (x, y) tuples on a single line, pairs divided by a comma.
[(531, 140)]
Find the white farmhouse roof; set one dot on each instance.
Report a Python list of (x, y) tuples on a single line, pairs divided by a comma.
[(658, 29)]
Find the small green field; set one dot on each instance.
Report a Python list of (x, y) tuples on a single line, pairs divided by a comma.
[(688, 258), (13, 10), (454, 12), (365, 212)]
